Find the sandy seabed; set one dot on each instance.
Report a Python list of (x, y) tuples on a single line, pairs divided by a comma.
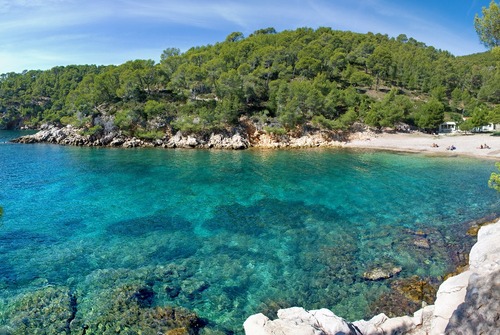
[(464, 144)]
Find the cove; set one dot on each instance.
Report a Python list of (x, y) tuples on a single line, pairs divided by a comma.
[(228, 234)]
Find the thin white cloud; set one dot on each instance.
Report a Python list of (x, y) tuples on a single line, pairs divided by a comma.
[(379, 16), (21, 17), (103, 31), (8, 6), (201, 14)]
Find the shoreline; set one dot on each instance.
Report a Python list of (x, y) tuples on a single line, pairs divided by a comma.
[(466, 145), (241, 139)]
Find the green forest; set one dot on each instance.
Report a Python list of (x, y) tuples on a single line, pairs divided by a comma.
[(286, 82)]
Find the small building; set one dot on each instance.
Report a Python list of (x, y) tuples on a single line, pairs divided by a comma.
[(492, 127), (448, 127)]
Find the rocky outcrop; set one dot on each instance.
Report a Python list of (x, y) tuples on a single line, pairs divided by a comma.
[(468, 303), (298, 321), (383, 272), (243, 136), (312, 139), (480, 311), (234, 141), (69, 135)]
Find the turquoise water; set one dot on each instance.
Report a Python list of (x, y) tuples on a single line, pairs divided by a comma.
[(228, 233)]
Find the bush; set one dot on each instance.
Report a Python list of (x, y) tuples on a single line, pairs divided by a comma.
[(323, 123), (275, 130), (93, 130), (150, 134), (494, 181), (65, 120)]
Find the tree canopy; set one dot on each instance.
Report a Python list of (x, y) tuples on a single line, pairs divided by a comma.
[(488, 26), (284, 81)]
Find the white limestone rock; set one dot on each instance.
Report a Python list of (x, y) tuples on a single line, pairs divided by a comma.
[(382, 325), (484, 255), (451, 293), (255, 324), (479, 313), (298, 321)]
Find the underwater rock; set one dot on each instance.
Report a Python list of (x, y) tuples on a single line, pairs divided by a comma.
[(128, 309), (475, 225), (144, 296), (190, 287), (45, 311), (422, 242), (383, 272), (419, 238), (406, 296), (121, 301), (393, 304), (172, 290), (473, 230), (417, 289)]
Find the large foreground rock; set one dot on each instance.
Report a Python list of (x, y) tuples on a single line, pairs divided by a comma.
[(480, 311), (466, 304), (298, 321)]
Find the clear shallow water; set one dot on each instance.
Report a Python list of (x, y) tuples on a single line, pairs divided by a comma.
[(228, 234)]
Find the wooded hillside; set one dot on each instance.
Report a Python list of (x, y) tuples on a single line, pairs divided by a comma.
[(322, 78)]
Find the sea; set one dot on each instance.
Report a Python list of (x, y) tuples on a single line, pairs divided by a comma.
[(223, 234)]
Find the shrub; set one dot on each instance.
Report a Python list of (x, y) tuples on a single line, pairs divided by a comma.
[(93, 130), (494, 181), (323, 123), (149, 134), (275, 130)]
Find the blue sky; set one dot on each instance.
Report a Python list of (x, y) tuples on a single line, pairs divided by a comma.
[(40, 34)]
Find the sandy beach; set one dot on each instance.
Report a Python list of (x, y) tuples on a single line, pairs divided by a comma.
[(469, 145)]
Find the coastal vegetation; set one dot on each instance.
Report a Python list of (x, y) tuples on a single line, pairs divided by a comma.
[(494, 181), (285, 82), (488, 26)]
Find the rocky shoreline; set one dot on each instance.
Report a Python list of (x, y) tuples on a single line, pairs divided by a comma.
[(238, 138), (467, 304), (248, 135), (70, 135)]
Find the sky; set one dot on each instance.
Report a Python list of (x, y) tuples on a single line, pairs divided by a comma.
[(41, 34)]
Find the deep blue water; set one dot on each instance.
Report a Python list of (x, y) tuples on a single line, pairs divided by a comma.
[(230, 233)]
